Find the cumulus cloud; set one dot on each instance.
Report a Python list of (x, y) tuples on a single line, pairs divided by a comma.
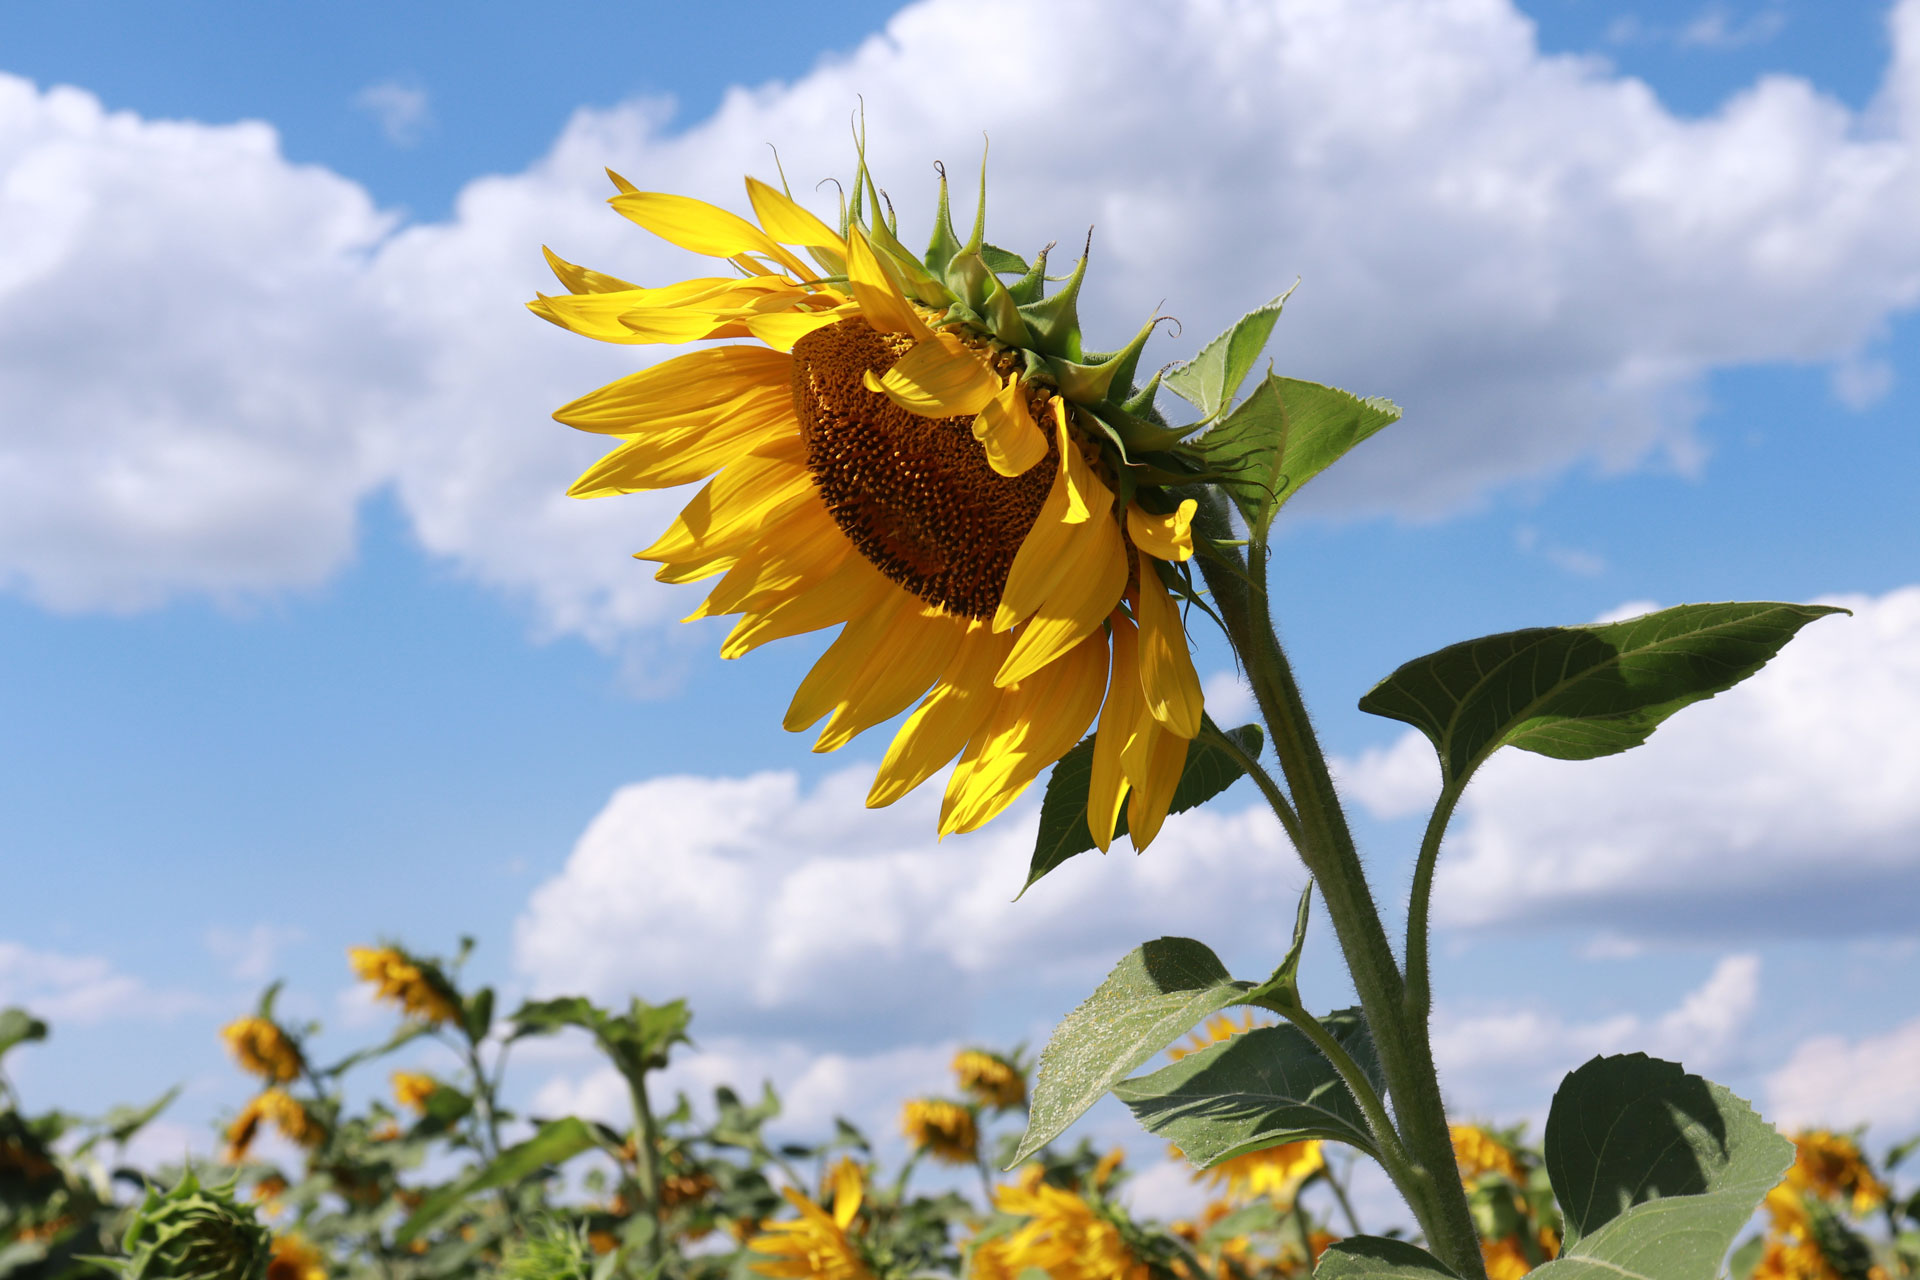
[(1497, 1063), (250, 954), (837, 922), (192, 358), (1785, 806), (1836, 1082), (79, 989), (212, 355)]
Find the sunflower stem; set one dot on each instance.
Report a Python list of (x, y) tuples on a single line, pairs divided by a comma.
[(1326, 846), (1419, 997)]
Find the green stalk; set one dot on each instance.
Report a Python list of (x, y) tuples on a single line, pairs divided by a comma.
[(1239, 592), (646, 1162), (1419, 998)]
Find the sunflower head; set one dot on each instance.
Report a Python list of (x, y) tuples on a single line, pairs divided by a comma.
[(261, 1047), (417, 986), (945, 1130), (916, 448), (990, 1078), (411, 1089), (194, 1232)]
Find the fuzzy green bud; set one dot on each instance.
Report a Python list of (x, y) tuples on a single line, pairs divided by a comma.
[(194, 1233)]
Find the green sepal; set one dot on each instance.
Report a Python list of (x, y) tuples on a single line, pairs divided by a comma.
[(1032, 286), (969, 278), (1140, 403), (193, 1233), (946, 241), (1003, 316), (925, 289), (1004, 262), (1138, 434), (1055, 320), (1087, 379)]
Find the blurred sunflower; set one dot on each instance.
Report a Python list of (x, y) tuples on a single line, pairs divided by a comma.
[(411, 1089), (920, 452), (945, 1130), (261, 1047), (1478, 1151), (294, 1259), (816, 1244), (282, 1110), (398, 978), (989, 1078), (1276, 1171), (1830, 1165), (1063, 1236)]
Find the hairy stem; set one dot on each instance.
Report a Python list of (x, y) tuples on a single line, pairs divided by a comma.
[(646, 1161), (1326, 845), (1419, 997)]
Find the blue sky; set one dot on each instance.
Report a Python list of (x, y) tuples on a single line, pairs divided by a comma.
[(301, 648)]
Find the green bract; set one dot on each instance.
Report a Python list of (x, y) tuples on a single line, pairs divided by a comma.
[(194, 1233)]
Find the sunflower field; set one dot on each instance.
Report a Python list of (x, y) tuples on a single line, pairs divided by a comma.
[(1017, 538)]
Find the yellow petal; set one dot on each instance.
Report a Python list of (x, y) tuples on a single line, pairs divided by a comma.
[(1107, 786), (801, 548), (847, 1193), (695, 383), (1080, 601), (676, 458), (788, 222), (582, 279), (1163, 537), (701, 227), (940, 377), (1167, 679), (1005, 428), (597, 315), (1153, 760), (908, 658), (832, 677), (1034, 725), (1039, 562), (782, 329), (1087, 495), (881, 299), (944, 721), (853, 588), (754, 491)]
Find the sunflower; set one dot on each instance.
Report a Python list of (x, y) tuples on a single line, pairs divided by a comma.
[(917, 450), (1063, 1236), (989, 1078), (945, 1130), (419, 989), (295, 1259), (1276, 1171), (411, 1089), (815, 1244), (279, 1108), (1479, 1151), (1831, 1165), (260, 1046)]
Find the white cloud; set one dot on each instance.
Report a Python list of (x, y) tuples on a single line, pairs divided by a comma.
[(1784, 806), (1719, 27), (1838, 1083), (1229, 698), (250, 954), (401, 110), (1499, 1065), (62, 988), (839, 922), (213, 355)]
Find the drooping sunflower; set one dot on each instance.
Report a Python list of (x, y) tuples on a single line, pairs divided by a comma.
[(412, 1089), (945, 1130), (989, 1078), (915, 449), (419, 989), (261, 1047)]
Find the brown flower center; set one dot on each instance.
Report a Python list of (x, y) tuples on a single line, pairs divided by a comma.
[(914, 495)]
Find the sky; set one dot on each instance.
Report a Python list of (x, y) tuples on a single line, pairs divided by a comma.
[(302, 646)]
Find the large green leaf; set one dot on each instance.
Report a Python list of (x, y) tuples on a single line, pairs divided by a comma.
[(1156, 994), (1656, 1170), (1283, 435), (1209, 770), (1575, 693), (1378, 1258), (1258, 1089), (557, 1142), (1209, 381)]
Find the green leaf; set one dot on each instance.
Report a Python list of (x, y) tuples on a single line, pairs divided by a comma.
[(1157, 993), (1209, 770), (1257, 1090), (476, 1016), (1656, 1170), (1283, 435), (1003, 263), (17, 1026), (1210, 380), (557, 1142), (1378, 1258), (408, 1031), (1575, 693)]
